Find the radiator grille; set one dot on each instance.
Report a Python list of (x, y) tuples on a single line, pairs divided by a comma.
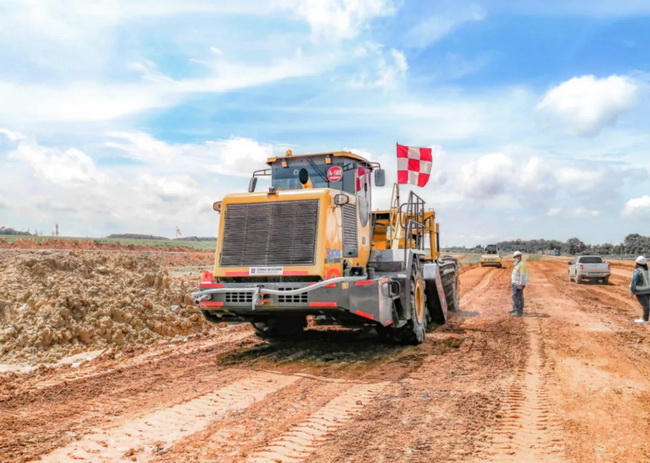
[(296, 298), (239, 297), (270, 234), (350, 230)]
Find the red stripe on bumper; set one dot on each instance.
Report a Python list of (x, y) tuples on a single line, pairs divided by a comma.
[(212, 304), (295, 272), (323, 304), (211, 285), (364, 282), (365, 315)]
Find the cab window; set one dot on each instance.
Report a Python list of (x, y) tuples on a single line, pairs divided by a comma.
[(354, 180)]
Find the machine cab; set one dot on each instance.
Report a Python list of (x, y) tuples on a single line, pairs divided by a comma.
[(342, 171)]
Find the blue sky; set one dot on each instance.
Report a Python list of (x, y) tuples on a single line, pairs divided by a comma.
[(121, 116)]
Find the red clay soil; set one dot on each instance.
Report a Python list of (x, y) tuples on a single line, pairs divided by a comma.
[(568, 382)]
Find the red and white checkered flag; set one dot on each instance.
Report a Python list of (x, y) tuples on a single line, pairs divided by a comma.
[(413, 165)]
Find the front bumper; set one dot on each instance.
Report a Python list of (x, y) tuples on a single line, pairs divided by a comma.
[(369, 299)]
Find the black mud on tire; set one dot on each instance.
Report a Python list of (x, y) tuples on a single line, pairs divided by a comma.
[(415, 329), (450, 274)]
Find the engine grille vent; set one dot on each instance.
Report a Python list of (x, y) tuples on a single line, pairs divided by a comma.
[(296, 298), (239, 297), (350, 230), (270, 234)]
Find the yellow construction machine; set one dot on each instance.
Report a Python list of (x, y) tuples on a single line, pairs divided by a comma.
[(310, 245), (491, 257)]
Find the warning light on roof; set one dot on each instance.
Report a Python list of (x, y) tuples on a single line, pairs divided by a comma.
[(289, 153)]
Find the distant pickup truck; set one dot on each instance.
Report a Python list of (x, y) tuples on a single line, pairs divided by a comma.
[(592, 268)]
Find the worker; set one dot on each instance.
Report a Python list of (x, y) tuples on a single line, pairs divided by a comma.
[(640, 287), (519, 280)]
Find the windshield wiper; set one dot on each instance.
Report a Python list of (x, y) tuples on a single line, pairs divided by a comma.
[(318, 171)]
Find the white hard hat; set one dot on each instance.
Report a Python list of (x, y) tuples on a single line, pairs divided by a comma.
[(517, 254), (641, 260)]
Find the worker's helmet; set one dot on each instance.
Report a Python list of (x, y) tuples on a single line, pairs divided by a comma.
[(641, 260), (517, 254)]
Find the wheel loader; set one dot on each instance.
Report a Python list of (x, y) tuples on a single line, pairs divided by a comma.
[(311, 246)]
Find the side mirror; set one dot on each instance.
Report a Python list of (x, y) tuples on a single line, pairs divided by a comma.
[(252, 184), (303, 176), (380, 177)]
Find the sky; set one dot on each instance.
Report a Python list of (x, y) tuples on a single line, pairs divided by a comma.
[(134, 117)]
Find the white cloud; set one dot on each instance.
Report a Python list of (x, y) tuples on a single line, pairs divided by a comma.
[(434, 28), (581, 180), (637, 208), (13, 136), (240, 156), (237, 157), (583, 106), (80, 101), (338, 19), (384, 70), (573, 213), (487, 176), (174, 188), (68, 187), (536, 181), (68, 169)]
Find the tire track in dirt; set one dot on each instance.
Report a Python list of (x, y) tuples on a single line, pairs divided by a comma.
[(148, 435), (303, 440), (94, 371), (595, 377), (33, 422), (610, 308), (478, 279), (441, 410), (528, 432)]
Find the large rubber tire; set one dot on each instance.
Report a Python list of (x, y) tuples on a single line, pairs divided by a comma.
[(435, 315), (606, 280), (450, 274), (280, 328), (415, 329)]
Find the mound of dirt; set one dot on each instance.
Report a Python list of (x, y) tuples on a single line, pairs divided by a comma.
[(56, 303)]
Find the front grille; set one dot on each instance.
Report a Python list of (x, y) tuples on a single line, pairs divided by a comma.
[(350, 230), (296, 298), (270, 234), (239, 297)]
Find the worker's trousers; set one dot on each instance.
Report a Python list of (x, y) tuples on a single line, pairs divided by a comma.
[(644, 300), (517, 300)]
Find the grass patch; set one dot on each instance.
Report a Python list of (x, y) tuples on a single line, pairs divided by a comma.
[(534, 257), (200, 245)]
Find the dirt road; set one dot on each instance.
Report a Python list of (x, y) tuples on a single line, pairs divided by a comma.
[(569, 382)]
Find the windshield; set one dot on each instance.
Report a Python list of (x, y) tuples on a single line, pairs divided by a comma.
[(345, 175), (591, 260)]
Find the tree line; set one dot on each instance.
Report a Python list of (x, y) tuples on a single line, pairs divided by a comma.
[(633, 244)]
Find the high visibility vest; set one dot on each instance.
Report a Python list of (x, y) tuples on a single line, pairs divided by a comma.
[(645, 277)]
